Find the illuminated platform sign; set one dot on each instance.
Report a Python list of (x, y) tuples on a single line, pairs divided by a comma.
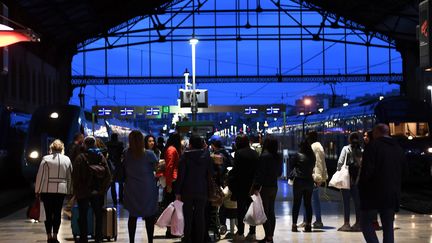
[(153, 112), (250, 111), (104, 111), (127, 111), (273, 110)]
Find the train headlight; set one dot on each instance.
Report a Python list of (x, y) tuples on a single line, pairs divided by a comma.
[(429, 150), (34, 155), (54, 115)]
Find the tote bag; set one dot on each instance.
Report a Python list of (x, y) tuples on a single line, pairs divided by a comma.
[(341, 179)]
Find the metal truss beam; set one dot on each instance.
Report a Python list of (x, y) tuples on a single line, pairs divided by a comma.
[(353, 25), (161, 31), (78, 81)]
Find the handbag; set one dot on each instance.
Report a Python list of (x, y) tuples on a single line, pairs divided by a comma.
[(34, 210), (215, 193), (341, 178)]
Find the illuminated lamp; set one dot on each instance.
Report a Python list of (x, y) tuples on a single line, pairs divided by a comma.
[(9, 35)]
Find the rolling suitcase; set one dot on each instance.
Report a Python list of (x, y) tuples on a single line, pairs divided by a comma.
[(109, 224), (75, 225)]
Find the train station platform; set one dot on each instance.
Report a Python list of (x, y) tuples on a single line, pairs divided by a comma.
[(409, 227)]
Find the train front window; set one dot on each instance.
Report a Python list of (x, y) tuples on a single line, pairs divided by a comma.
[(409, 129)]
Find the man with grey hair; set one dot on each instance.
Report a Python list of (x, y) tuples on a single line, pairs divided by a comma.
[(380, 183)]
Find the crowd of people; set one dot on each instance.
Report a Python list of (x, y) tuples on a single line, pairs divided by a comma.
[(187, 172)]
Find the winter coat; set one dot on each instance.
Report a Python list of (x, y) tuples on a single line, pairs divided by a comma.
[(171, 165), (242, 175), (268, 171), (380, 177), (194, 168), (302, 166), (320, 170), (54, 175), (140, 189), (85, 183)]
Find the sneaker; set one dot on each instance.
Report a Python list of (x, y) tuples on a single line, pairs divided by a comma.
[(168, 235), (294, 228), (345, 227), (238, 237), (356, 227), (251, 237), (302, 225), (318, 225), (308, 228)]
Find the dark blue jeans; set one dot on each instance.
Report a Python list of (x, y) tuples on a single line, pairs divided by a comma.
[(96, 202), (387, 218), (346, 195)]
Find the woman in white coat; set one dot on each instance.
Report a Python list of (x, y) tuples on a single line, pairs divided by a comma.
[(53, 182)]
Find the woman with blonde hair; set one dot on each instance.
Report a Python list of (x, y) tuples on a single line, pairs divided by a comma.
[(140, 189), (53, 182)]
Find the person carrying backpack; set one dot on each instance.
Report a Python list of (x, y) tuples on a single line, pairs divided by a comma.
[(91, 179), (351, 156)]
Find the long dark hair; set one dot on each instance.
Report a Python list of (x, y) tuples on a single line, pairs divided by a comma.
[(271, 145), (155, 148), (305, 148), (242, 141), (136, 144), (354, 140), (174, 140)]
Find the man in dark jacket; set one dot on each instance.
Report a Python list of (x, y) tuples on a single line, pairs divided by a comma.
[(380, 183), (192, 188), (72, 151), (91, 178), (115, 151), (240, 183)]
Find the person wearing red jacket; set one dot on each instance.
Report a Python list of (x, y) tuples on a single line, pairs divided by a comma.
[(172, 156)]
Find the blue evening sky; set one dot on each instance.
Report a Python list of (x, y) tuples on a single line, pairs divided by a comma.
[(159, 58)]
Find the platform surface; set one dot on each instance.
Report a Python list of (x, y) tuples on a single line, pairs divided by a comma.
[(410, 227)]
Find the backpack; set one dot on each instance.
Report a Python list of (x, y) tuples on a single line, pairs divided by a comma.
[(97, 172)]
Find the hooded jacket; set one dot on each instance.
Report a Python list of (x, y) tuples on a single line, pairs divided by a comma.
[(85, 184), (320, 170), (380, 177), (194, 168)]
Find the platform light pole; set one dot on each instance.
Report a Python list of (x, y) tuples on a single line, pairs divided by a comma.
[(429, 87), (194, 107)]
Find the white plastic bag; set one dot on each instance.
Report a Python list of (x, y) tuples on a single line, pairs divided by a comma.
[(341, 179), (164, 219), (42, 215), (177, 219), (255, 214)]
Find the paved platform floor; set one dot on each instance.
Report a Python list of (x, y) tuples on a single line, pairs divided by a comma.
[(409, 227)]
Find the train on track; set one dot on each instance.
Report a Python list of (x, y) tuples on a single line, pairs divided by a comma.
[(409, 120)]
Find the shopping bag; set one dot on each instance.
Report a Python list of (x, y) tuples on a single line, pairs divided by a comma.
[(34, 210), (164, 219), (177, 219), (341, 179), (255, 214), (42, 215)]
